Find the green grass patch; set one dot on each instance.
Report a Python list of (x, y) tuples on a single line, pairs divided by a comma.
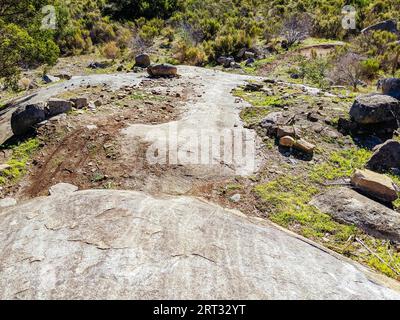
[(286, 200), (340, 164), (262, 105), (252, 69), (21, 154)]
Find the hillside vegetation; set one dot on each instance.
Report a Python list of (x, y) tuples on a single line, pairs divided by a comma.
[(195, 32)]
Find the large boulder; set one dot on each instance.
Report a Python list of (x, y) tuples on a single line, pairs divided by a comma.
[(390, 87), (142, 61), (375, 108), (58, 106), (387, 25), (348, 206), (24, 118), (386, 157), (110, 244), (162, 70), (376, 185)]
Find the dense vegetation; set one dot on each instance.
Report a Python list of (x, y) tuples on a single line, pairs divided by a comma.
[(197, 31)]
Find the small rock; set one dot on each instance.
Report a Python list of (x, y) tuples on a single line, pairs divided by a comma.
[(287, 131), (253, 87), (348, 206), (376, 185), (4, 167), (287, 141), (61, 189), (91, 127), (235, 198), (80, 103), (304, 146), (50, 79)]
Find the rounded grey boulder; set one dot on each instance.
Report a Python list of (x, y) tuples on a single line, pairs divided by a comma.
[(375, 108), (142, 60), (390, 87), (24, 118), (386, 157)]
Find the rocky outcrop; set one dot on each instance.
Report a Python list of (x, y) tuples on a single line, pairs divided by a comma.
[(142, 61), (348, 206), (162, 70), (375, 108), (24, 118), (390, 87), (387, 25), (376, 185), (386, 157), (104, 244)]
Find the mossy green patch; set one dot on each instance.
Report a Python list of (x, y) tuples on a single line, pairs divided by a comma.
[(21, 154), (340, 164), (286, 200)]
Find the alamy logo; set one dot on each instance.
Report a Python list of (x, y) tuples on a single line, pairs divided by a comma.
[(349, 18), (49, 21)]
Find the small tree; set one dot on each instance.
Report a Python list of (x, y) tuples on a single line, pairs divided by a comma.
[(348, 69), (296, 28)]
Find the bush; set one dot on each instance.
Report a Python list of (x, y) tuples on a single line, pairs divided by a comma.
[(370, 68), (314, 71), (185, 53), (111, 50)]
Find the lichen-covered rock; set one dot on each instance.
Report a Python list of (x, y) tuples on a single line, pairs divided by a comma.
[(375, 108)]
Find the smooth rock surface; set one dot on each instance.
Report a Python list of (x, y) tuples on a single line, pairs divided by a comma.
[(103, 244), (7, 202), (348, 206)]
